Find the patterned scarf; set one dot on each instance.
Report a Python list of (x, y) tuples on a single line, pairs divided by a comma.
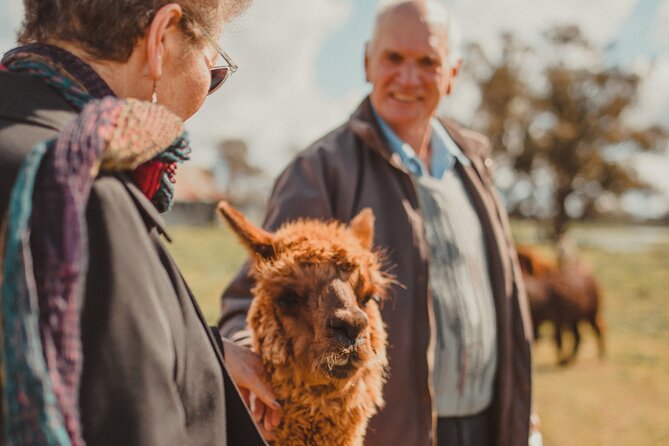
[(45, 261), (78, 83)]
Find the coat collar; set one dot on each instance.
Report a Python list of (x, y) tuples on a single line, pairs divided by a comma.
[(150, 215), (363, 124), (54, 114)]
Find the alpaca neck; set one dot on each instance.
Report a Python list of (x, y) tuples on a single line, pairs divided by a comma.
[(291, 379), (325, 412)]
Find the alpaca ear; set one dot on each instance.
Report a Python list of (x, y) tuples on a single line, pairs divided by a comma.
[(256, 239), (362, 226)]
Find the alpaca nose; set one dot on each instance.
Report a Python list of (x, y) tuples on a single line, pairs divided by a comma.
[(347, 329)]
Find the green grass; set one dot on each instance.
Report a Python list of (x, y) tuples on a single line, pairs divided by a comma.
[(622, 400), (209, 258)]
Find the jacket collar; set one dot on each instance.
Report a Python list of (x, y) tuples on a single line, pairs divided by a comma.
[(19, 93), (363, 124), (150, 215)]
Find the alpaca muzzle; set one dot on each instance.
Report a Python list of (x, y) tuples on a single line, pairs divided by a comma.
[(345, 359)]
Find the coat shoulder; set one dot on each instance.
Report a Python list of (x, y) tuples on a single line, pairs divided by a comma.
[(478, 141), (338, 143), (472, 143), (30, 100)]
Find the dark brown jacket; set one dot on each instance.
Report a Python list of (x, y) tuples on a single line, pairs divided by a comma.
[(152, 371), (352, 168)]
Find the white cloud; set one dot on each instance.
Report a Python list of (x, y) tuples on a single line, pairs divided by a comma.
[(11, 13), (661, 31), (273, 101), (653, 101), (482, 20), (655, 167)]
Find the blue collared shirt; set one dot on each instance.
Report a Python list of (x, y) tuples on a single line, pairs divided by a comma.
[(444, 150)]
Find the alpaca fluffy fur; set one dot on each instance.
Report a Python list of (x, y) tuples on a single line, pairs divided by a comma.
[(315, 281)]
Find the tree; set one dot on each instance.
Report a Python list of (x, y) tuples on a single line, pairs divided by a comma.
[(567, 121), (246, 185)]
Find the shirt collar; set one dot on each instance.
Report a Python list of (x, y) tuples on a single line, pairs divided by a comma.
[(445, 151)]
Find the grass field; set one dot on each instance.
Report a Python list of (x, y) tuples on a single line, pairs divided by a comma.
[(620, 401)]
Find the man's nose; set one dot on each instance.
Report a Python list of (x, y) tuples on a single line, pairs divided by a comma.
[(409, 74)]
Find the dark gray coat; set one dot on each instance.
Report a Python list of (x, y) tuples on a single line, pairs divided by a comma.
[(152, 373)]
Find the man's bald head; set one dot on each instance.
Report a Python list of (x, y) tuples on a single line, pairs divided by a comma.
[(429, 12), (411, 65)]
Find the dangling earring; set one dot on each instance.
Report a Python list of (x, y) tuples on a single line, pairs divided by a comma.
[(154, 95)]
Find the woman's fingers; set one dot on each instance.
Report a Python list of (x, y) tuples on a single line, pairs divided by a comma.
[(257, 408), (276, 417), (267, 422), (259, 386), (245, 394), (247, 371), (264, 416)]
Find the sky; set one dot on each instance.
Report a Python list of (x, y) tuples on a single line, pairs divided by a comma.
[(301, 66)]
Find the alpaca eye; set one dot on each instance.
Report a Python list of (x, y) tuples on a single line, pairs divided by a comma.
[(288, 299)]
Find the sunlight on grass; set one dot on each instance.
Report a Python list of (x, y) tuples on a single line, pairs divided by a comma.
[(209, 257)]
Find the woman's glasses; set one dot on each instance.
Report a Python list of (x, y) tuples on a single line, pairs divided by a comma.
[(219, 73)]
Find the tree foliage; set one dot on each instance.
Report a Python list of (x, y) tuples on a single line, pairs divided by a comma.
[(246, 184), (565, 120)]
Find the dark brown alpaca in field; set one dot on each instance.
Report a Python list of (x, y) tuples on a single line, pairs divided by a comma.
[(563, 295), (316, 323)]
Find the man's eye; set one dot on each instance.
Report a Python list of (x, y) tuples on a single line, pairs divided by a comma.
[(394, 57), (428, 62)]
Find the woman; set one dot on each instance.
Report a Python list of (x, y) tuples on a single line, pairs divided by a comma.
[(103, 342)]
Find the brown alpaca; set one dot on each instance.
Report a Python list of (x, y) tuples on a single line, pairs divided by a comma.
[(316, 323), (563, 295)]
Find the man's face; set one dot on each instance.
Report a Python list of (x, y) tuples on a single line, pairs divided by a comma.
[(407, 65)]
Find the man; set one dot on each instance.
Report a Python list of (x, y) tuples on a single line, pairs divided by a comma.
[(459, 328)]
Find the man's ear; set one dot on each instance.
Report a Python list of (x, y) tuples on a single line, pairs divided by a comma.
[(362, 226), (455, 70), (257, 240), (165, 17), (367, 62)]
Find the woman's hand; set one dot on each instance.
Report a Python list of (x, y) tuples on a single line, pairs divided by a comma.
[(247, 371)]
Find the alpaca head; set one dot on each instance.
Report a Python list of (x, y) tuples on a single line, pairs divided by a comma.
[(317, 295)]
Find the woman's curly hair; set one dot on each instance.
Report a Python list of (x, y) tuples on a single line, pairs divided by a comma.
[(109, 29)]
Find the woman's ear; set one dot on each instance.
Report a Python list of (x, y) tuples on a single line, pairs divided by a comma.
[(166, 17)]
